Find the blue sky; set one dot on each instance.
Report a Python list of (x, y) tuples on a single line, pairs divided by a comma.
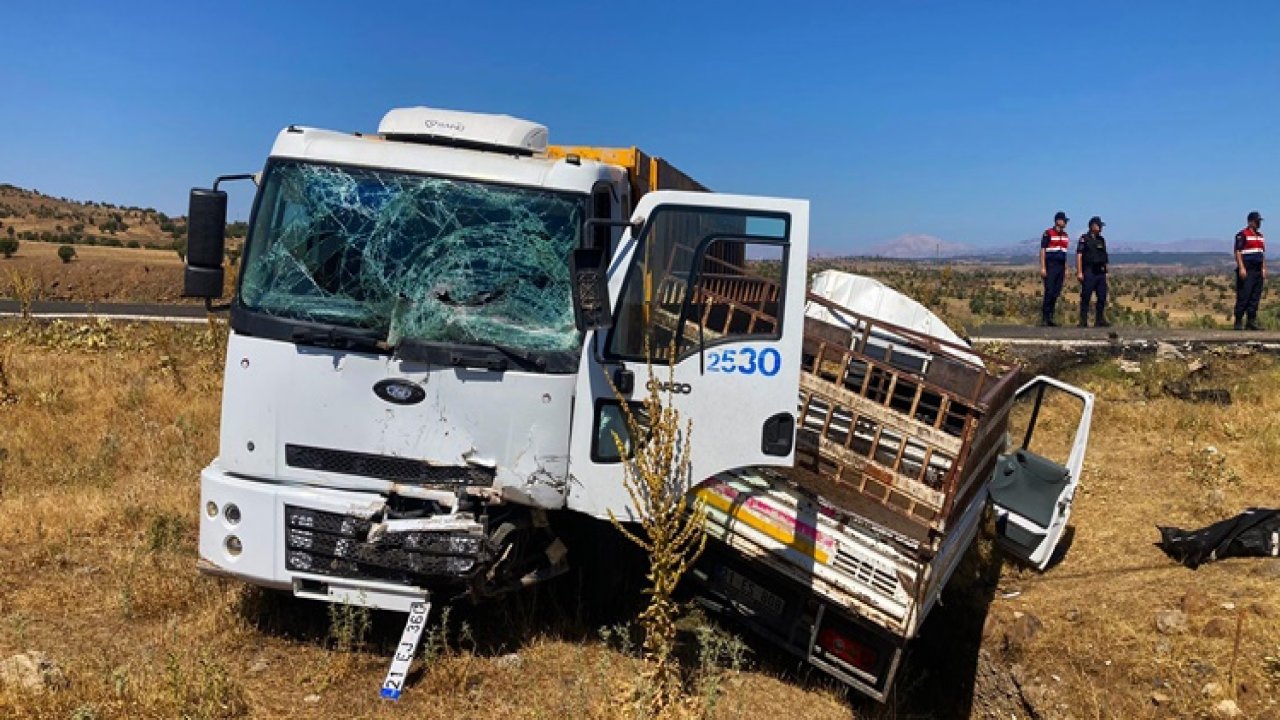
[(972, 122)]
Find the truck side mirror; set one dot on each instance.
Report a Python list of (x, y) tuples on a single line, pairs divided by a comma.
[(206, 241), (591, 309)]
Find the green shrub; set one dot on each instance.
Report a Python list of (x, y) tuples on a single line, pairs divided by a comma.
[(8, 246), (66, 253)]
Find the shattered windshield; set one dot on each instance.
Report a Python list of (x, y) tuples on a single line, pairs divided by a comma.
[(414, 257)]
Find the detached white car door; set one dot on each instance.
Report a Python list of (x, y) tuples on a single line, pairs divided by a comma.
[(1032, 491), (713, 288)]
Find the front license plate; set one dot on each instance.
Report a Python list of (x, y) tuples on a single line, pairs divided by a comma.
[(405, 650)]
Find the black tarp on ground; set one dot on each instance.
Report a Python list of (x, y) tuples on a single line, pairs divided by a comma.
[(1253, 533)]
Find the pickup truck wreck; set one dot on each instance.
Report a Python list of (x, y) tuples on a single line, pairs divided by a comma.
[(902, 447)]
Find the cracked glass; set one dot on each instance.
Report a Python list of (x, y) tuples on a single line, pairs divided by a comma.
[(408, 256)]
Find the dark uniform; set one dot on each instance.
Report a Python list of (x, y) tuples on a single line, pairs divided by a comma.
[(1091, 254), (1054, 243), (1251, 248)]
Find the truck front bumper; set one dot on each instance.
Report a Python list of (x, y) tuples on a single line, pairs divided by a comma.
[(244, 533)]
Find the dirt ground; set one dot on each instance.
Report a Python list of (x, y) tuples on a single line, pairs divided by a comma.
[(97, 274), (104, 428)]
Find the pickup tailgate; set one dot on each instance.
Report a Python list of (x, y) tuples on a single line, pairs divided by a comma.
[(763, 516)]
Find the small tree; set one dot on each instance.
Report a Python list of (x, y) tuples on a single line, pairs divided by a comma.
[(66, 253), (8, 246), (180, 247)]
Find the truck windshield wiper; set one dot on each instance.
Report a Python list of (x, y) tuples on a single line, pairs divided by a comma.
[(551, 361), (485, 356), (337, 338), (528, 359)]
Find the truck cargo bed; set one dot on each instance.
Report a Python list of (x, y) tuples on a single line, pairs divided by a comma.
[(897, 428)]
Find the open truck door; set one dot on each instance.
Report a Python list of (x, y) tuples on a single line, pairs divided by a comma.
[(710, 290), (1032, 489)]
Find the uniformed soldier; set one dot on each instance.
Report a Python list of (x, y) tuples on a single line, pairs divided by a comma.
[(1251, 270), (1091, 271), (1054, 244)]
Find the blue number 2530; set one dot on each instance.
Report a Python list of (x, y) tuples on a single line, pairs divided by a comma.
[(745, 361)]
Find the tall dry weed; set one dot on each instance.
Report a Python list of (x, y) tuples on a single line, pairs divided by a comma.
[(657, 477), (25, 288)]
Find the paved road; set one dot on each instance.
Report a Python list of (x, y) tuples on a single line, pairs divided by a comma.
[(1016, 335), (151, 312), (1123, 336)]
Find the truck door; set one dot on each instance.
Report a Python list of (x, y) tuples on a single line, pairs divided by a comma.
[(1034, 485), (712, 288)]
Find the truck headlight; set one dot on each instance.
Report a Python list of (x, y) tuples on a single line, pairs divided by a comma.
[(232, 513), (211, 509), (233, 546)]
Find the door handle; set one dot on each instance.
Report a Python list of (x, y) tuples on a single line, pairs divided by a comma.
[(779, 435)]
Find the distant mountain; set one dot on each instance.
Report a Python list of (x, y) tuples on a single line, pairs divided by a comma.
[(1031, 246), (1120, 258), (1188, 245), (911, 246), (919, 246)]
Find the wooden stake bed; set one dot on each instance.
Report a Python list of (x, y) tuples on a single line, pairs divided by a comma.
[(895, 426), (898, 419)]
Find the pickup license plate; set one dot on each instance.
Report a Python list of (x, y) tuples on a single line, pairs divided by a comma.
[(749, 593)]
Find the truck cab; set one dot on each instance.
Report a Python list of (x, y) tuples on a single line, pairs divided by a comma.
[(407, 392)]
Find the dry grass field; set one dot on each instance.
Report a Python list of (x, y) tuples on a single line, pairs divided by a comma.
[(966, 295), (103, 431), (104, 428), (97, 274)]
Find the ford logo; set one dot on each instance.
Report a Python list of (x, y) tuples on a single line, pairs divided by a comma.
[(400, 392)]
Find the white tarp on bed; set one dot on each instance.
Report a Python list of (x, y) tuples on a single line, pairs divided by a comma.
[(872, 298)]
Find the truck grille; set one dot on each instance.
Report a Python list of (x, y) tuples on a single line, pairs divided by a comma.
[(332, 544), (882, 581), (384, 467)]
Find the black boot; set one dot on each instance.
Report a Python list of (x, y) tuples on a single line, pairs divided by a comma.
[(1252, 324), (1050, 323), (1239, 324), (1084, 321), (1101, 322)]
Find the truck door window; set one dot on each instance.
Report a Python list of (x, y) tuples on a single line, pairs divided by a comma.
[(737, 294), (611, 428), (1045, 423), (700, 277)]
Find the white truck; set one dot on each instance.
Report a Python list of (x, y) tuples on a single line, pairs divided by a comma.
[(426, 336)]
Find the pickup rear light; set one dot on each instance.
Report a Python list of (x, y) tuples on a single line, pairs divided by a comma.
[(847, 649)]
